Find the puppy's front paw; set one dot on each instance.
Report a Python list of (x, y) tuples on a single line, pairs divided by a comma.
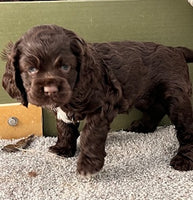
[(89, 166), (181, 163), (63, 151)]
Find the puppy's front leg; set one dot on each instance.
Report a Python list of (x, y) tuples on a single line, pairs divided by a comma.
[(67, 137), (92, 144)]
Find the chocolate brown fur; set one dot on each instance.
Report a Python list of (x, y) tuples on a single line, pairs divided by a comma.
[(52, 67)]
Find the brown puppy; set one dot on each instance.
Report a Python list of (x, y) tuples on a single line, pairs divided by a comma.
[(52, 67)]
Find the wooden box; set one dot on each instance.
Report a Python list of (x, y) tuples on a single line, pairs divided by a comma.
[(17, 121)]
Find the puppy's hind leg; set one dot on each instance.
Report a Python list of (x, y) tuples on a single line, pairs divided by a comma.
[(150, 120), (180, 113)]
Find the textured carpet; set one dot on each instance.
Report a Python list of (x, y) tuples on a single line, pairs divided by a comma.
[(136, 167)]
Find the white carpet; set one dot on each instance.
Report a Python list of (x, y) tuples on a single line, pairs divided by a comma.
[(136, 167)]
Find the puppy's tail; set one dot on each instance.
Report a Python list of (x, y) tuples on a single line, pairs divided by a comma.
[(188, 53)]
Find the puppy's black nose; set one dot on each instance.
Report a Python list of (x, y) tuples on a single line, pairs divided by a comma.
[(51, 89)]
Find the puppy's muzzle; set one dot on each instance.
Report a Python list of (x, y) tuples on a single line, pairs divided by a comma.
[(50, 90)]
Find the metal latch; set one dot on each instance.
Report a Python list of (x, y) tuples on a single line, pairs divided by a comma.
[(13, 121)]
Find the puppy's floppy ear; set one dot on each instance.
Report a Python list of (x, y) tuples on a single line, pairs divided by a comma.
[(82, 51), (12, 81), (78, 46)]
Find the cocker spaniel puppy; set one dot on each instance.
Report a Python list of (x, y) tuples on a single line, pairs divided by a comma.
[(52, 67)]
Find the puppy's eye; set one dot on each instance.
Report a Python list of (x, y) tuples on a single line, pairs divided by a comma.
[(65, 67), (32, 70)]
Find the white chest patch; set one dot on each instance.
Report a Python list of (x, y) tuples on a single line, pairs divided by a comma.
[(61, 115), (191, 2)]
